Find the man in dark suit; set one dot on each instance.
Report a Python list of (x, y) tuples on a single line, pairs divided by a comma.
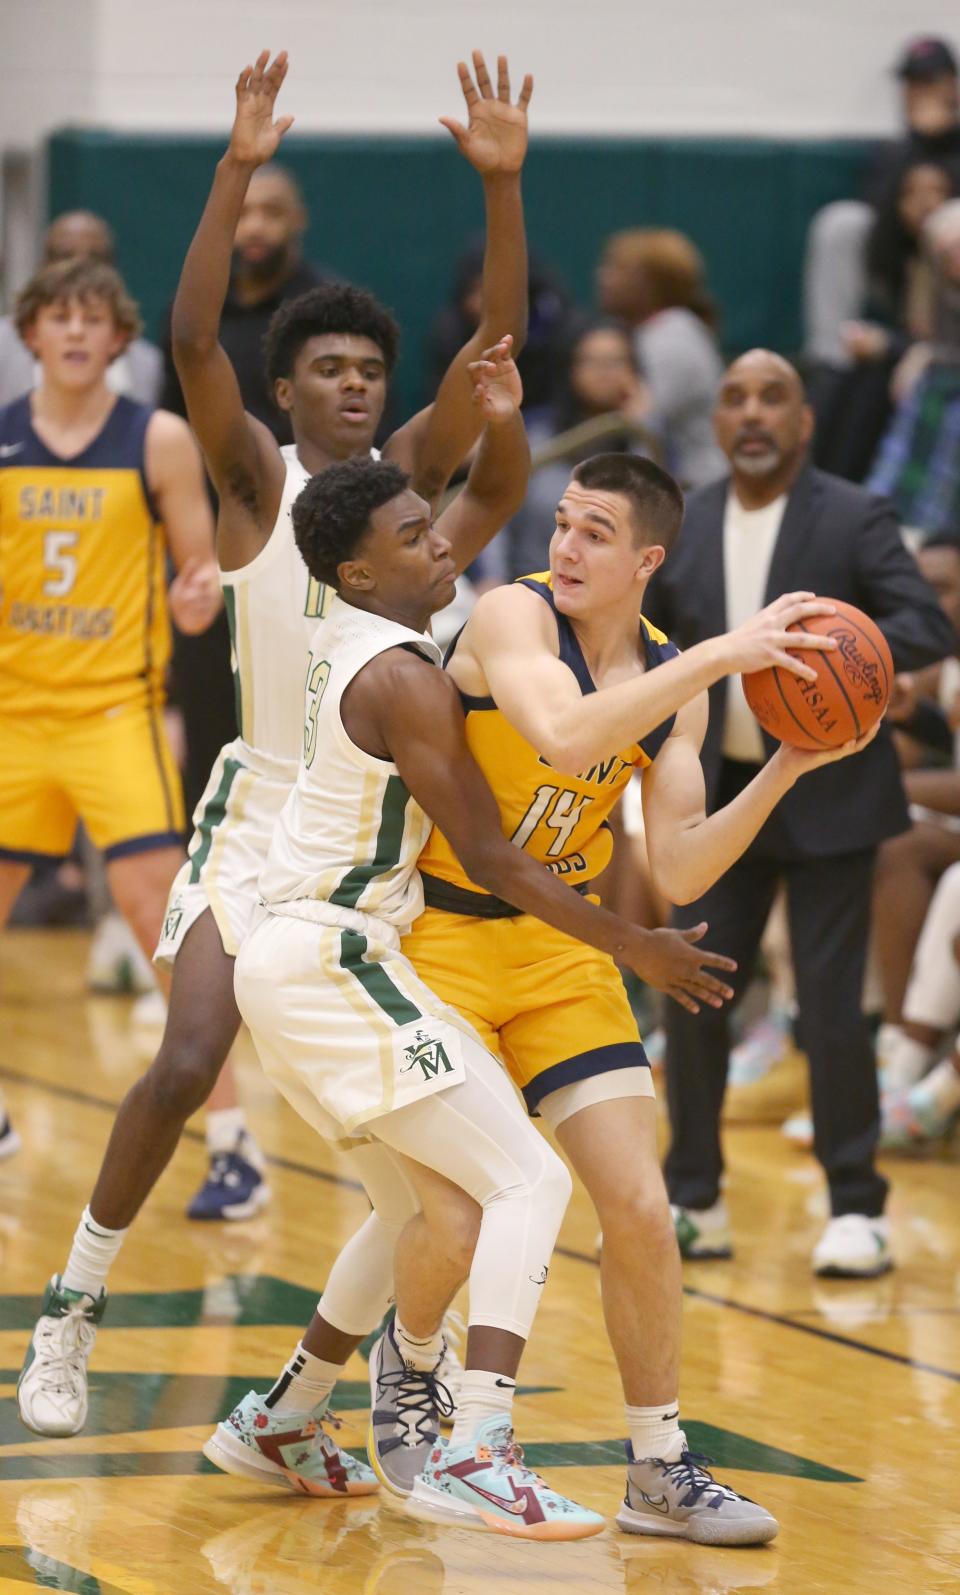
[(774, 526)]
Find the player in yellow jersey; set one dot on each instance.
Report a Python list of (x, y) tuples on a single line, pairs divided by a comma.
[(95, 493), (566, 690)]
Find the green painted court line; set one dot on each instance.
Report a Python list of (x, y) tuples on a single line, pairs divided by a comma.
[(726, 1449)]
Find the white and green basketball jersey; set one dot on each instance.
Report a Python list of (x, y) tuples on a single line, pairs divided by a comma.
[(350, 833), (273, 605)]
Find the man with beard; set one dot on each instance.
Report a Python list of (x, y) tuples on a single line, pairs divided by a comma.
[(774, 525)]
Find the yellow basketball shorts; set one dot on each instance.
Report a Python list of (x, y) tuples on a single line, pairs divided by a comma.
[(554, 1010), (114, 771)]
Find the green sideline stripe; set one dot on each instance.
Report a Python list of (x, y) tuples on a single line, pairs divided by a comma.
[(387, 852), (213, 814), (727, 1450), (375, 980)]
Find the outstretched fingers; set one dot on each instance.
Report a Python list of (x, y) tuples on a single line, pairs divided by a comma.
[(526, 90), (482, 75)]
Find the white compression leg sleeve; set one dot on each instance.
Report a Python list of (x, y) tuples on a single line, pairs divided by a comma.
[(359, 1287), (933, 993), (477, 1135)]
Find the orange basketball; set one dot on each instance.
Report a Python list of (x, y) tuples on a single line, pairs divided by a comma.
[(850, 693)]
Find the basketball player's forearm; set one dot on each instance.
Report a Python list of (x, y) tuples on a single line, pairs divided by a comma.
[(205, 277), (601, 725), (498, 478), (505, 294), (530, 886), (697, 855)]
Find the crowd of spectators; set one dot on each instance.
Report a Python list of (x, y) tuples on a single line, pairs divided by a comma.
[(641, 370)]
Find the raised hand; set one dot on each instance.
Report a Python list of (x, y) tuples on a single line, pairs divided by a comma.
[(256, 136), (497, 389), (495, 139), (765, 639), (671, 961)]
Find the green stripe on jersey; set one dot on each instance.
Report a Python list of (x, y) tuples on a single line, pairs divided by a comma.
[(375, 980), (213, 812), (230, 605), (387, 852)]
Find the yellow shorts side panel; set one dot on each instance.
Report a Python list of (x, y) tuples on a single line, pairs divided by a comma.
[(114, 771), (542, 995)]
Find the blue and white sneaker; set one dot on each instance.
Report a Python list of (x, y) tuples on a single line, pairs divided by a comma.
[(234, 1188), (290, 1449), (405, 1407), (682, 1500), (486, 1486)]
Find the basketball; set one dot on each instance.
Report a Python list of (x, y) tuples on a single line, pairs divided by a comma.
[(849, 695)]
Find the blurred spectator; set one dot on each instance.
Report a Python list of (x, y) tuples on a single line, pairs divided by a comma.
[(541, 362), (777, 526), (927, 70), (835, 265), (853, 403), (918, 463), (600, 378), (137, 373), (267, 270), (654, 280), (909, 866), (921, 1097)]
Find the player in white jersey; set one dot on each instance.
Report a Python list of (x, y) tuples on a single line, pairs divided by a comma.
[(329, 357), (357, 1043)]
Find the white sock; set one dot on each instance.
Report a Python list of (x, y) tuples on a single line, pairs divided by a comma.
[(305, 1382), (91, 1255), (656, 1431), (903, 1060), (419, 1353), (482, 1395), (943, 1086), (224, 1127)]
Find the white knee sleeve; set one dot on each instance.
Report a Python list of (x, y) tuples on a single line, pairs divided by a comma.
[(359, 1287)]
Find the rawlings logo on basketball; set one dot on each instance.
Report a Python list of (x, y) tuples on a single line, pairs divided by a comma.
[(864, 674)]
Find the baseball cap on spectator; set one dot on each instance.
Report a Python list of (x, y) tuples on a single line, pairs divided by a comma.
[(926, 59)]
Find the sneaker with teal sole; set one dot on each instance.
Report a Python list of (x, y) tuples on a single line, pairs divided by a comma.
[(289, 1449), (52, 1387), (682, 1500), (486, 1486)]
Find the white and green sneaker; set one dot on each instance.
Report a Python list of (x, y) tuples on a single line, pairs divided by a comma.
[(290, 1449), (703, 1233), (486, 1486), (682, 1500), (853, 1246), (52, 1388)]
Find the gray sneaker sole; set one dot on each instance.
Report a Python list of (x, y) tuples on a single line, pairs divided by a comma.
[(706, 1528)]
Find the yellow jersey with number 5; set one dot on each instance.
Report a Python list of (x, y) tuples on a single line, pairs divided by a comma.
[(560, 819), (83, 615)]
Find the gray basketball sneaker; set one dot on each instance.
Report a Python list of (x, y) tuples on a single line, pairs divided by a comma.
[(405, 1408), (682, 1499)]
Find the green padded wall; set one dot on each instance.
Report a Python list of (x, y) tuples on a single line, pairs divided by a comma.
[(392, 213)]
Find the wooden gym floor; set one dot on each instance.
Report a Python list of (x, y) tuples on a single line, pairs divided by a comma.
[(835, 1404)]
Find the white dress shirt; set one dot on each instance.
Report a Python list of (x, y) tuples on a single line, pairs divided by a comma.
[(749, 537)]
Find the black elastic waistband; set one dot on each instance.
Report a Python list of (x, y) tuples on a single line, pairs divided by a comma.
[(475, 905)]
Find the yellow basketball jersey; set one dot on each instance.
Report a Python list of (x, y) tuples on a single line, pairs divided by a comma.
[(83, 616), (560, 819)]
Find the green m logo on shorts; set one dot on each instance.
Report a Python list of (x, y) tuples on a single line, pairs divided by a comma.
[(429, 1054), (172, 923)]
